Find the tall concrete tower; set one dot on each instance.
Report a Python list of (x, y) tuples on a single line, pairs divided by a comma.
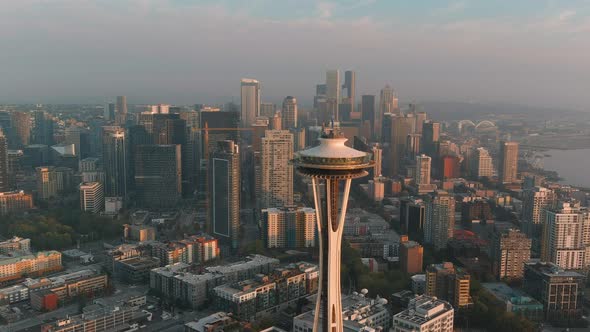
[(327, 164)]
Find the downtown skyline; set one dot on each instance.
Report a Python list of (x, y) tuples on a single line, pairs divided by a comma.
[(182, 52)]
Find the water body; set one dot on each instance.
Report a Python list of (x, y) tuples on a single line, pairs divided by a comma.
[(573, 166)]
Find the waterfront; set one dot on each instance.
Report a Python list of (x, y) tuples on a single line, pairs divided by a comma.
[(571, 165)]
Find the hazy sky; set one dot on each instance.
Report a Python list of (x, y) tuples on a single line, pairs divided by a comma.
[(184, 51)]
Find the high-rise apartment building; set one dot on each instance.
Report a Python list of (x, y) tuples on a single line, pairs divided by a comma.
[(560, 292), (423, 164), (410, 255), (250, 97), (482, 165), (91, 197), (4, 181), (277, 171), (566, 236), (22, 122), (425, 314), (510, 251), (224, 193), (440, 219), (289, 227), (115, 161), (289, 113), (447, 282), (158, 175), (535, 201), (508, 166)]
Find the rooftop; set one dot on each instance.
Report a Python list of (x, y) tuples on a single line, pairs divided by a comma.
[(508, 294), (423, 309), (332, 154)]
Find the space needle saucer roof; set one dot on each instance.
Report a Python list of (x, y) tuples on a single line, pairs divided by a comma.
[(332, 154)]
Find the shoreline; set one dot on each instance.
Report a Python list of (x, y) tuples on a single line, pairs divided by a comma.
[(551, 174)]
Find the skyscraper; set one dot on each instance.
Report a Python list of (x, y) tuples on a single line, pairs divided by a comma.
[(121, 114), (110, 110), (158, 175), (42, 129), (387, 104), (115, 161), (508, 171), (368, 111), (4, 181), (440, 219), (80, 137), (423, 163), (510, 251), (327, 164), (277, 171), (250, 96), (333, 84), (401, 127), (350, 85), (332, 93), (387, 100), (289, 113), (267, 109), (413, 146), (224, 193), (320, 96), (430, 136)]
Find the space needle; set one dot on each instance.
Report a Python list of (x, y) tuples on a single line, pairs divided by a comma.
[(328, 164)]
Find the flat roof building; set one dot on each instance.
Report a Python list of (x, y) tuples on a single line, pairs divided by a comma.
[(425, 314)]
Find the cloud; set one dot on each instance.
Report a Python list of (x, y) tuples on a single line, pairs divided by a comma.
[(566, 15), (325, 9), (452, 8)]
